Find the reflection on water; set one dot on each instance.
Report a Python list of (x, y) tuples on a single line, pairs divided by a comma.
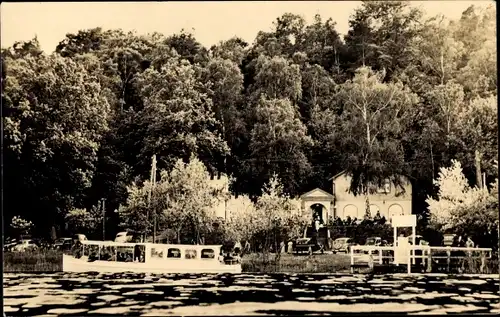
[(148, 294)]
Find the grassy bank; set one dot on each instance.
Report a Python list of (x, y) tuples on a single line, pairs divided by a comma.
[(33, 261), (51, 261), (318, 263)]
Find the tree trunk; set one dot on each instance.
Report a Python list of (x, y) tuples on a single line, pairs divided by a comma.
[(477, 164), (432, 161), (442, 68)]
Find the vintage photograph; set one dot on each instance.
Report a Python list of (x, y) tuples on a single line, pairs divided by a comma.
[(249, 158)]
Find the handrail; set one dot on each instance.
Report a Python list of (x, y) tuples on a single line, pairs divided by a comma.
[(132, 244), (376, 253), (418, 247), (371, 247)]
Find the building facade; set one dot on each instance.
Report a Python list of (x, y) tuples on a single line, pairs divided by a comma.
[(389, 200)]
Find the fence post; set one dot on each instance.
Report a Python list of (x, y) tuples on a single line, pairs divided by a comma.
[(483, 261), (448, 259), (409, 260), (429, 260), (352, 260), (380, 252), (370, 262)]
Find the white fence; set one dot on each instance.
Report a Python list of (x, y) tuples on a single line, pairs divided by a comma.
[(409, 255)]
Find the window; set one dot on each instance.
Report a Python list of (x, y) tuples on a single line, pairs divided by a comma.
[(350, 211), (139, 253), (190, 254), (173, 253), (207, 254), (125, 254), (395, 210), (93, 252), (156, 253), (374, 209), (107, 253), (385, 188)]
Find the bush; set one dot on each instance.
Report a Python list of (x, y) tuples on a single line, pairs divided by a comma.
[(36, 261), (324, 263)]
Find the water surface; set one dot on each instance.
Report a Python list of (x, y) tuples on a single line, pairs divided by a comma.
[(249, 294)]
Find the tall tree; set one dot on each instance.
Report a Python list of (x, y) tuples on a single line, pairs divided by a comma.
[(277, 78), (380, 35), (278, 144), (55, 114), (439, 53), (233, 49), (478, 130), (374, 118), (323, 45), (186, 45), (178, 118)]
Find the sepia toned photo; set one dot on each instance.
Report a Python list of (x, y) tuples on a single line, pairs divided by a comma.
[(249, 158)]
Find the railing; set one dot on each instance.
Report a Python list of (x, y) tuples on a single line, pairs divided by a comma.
[(373, 254), (426, 255)]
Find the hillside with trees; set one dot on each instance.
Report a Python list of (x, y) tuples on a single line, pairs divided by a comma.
[(399, 94)]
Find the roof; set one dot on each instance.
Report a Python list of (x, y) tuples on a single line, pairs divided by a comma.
[(337, 175), (320, 190), (344, 171)]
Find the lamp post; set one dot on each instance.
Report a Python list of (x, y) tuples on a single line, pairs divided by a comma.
[(103, 219)]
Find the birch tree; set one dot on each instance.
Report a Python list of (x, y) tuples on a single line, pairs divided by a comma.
[(465, 209), (373, 118)]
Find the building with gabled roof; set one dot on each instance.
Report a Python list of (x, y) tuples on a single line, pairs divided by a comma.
[(389, 200)]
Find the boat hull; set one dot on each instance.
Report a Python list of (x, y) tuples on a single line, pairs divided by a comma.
[(71, 264)]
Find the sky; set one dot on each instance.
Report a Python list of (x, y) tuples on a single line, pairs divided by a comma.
[(210, 22)]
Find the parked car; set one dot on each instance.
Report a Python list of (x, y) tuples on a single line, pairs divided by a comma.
[(375, 241), (80, 237), (123, 237), (419, 240), (25, 245), (342, 245), (308, 244), (41, 243), (10, 244), (63, 244)]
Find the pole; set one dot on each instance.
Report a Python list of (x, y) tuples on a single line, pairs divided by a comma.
[(153, 176), (152, 181), (103, 219), (413, 232)]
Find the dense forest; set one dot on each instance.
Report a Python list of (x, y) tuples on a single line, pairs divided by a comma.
[(399, 94)]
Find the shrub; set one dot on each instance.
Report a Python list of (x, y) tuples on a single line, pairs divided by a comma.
[(36, 261), (325, 263)]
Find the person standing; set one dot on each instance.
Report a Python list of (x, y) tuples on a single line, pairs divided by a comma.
[(469, 243)]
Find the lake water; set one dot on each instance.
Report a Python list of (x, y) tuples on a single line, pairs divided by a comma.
[(248, 294)]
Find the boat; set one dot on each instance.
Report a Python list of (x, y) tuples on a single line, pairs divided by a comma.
[(122, 257)]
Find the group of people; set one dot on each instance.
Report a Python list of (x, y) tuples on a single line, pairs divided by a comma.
[(234, 254), (463, 242)]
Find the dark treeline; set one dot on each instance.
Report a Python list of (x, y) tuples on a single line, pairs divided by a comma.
[(399, 94)]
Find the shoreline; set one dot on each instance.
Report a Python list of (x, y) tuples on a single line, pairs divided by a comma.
[(255, 263)]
